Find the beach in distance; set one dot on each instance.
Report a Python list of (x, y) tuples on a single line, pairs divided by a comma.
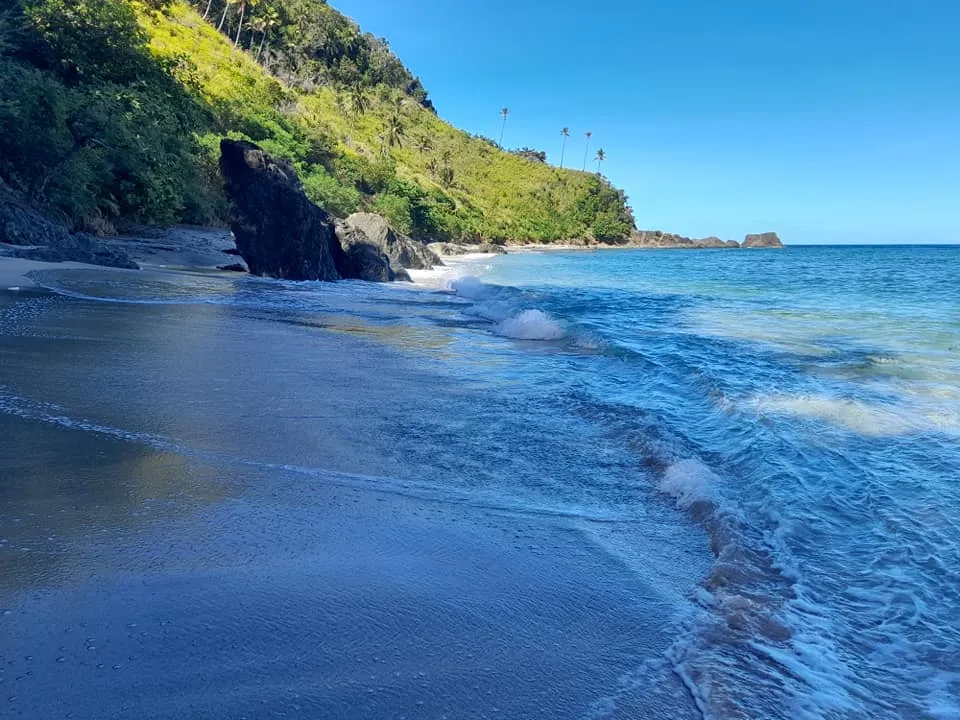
[(626, 484)]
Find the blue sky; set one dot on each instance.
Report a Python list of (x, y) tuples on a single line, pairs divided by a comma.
[(826, 121)]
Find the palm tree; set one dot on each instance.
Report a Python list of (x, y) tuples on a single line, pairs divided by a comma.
[(424, 144), (586, 150), (395, 130), (244, 4), (565, 132), (207, 11), (256, 25), (226, 8), (601, 156), (359, 101), (504, 112)]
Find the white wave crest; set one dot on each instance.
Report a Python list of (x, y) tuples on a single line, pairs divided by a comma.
[(472, 288), (531, 325), (689, 481)]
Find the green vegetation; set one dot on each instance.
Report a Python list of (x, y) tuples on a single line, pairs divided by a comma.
[(113, 109)]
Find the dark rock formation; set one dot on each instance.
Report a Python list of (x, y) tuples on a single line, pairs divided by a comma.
[(373, 229), (762, 240), (732, 244), (362, 260), (278, 231), (235, 267), (25, 233)]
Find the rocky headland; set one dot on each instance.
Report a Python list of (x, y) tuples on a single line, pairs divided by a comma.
[(277, 231), (666, 240)]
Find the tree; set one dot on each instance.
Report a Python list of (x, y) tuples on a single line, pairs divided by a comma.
[(243, 9), (395, 130), (505, 112), (586, 150), (424, 144), (226, 8), (601, 156), (359, 100), (565, 132)]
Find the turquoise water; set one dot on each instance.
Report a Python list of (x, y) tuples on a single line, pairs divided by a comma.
[(769, 440), (804, 407)]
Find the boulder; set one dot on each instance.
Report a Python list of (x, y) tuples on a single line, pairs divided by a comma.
[(762, 240), (447, 249), (491, 249), (373, 229), (362, 259), (279, 232)]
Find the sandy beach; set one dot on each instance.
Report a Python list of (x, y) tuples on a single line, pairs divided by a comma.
[(208, 513)]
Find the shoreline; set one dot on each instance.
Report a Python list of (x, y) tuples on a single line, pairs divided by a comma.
[(192, 570)]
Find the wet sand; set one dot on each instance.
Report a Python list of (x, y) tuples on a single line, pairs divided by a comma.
[(159, 560)]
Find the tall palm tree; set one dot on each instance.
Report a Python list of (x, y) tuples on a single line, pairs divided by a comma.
[(504, 112), (226, 8), (601, 156), (270, 21), (395, 130), (586, 150), (565, 133)]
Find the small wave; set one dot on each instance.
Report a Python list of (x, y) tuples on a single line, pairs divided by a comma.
[(472, 288), (689, 481), (531, 325)]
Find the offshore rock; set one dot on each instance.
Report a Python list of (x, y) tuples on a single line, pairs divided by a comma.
[(279, 232), (762, 240)]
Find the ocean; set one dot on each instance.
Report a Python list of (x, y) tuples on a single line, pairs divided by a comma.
[(720, 484)]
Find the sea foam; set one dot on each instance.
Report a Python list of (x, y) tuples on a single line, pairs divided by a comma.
[(531, 325), (689, 481)]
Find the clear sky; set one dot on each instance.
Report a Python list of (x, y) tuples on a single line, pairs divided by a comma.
[(828, 121)]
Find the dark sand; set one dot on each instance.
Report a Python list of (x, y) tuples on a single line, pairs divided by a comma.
[(157, 562)]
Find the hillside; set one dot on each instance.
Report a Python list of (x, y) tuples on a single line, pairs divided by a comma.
[(113, 111)]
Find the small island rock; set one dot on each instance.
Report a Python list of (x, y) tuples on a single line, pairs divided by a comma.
[(762, 240)]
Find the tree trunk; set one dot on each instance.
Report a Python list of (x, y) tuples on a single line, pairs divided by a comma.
[(223, 18), (207, 11), (243, 7), (260, 49), (563, 151)]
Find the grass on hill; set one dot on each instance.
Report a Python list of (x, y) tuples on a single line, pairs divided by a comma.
[(363, 145)]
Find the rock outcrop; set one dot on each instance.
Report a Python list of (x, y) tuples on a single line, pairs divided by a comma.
[(660, 239), (373, 229), (25, 233), (762, 240), (279, 232), (447, 249)]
